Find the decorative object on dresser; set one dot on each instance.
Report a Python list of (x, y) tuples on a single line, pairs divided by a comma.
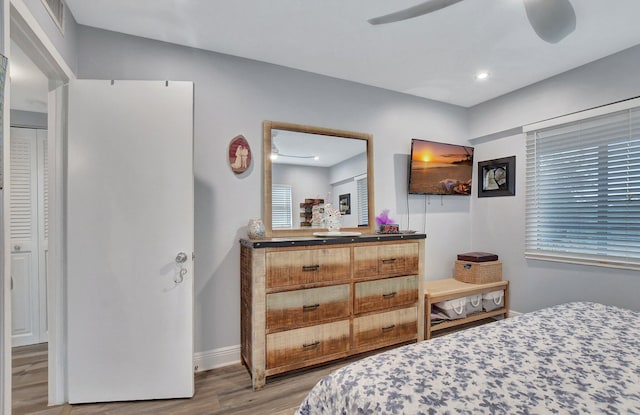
[(255, 229), (331, 218), (386, 224), (478, 268), (306, 301)]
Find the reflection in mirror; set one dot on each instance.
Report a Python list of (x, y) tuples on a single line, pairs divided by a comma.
[(317, 176), (307, 168)]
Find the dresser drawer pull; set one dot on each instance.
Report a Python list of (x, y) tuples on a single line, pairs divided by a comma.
[(389, 261), (310, 267), (310, 307), (389, 295), (389, 328), (310, 345)]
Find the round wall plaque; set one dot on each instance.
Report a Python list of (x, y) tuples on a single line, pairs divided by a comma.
[(239, 154)]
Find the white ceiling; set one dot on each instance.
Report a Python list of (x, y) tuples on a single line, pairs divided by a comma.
[(434, 56)]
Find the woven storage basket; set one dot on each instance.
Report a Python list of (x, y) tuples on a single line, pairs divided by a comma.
[(493, 300), (478, 272), (474, 304), (453, 309)]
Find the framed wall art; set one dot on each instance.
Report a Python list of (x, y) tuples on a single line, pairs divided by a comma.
[(344, 201), (497, 177)]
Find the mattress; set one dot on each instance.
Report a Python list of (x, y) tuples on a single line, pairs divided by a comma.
[(574, 358)]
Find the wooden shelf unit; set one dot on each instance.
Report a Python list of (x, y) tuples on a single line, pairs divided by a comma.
[(449, 289), (306, 211)]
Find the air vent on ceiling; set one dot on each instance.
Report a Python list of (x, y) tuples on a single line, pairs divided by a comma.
[(56, 11)]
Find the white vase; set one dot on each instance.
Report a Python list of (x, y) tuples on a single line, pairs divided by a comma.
[(332, 218), (255, 229), (333, 224)]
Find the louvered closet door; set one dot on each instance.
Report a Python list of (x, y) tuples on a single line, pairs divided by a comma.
[(43, 229), (26, 206)]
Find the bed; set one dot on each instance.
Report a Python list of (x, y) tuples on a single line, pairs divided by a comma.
[(574, 358)]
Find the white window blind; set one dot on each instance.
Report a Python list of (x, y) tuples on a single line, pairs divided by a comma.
[(583, 191), (281, 212), (363, 201)]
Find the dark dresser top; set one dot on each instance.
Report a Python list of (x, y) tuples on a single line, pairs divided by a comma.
[(322, 240)]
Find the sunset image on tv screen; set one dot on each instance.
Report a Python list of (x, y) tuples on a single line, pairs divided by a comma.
[(439, 168)]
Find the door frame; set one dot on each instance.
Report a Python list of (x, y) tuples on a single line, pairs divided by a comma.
[(21, 26), (5, 260)]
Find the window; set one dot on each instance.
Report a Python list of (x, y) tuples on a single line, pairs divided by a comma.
[(281, 216), (583, 188), (363, 201)]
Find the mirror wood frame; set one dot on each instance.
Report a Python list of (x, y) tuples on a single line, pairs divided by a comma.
[(267, 128)]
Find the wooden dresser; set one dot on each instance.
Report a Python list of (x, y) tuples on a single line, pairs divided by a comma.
[(307, 300)]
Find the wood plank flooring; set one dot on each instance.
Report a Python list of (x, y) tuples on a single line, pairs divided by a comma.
[(226, 390)]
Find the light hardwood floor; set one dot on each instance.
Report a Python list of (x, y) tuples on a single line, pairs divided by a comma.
[(226, 390), (220, 391)]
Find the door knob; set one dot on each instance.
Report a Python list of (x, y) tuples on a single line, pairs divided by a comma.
[(181, 258)]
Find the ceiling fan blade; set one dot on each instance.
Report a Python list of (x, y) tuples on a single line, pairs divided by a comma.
[(415, 11), (552, 20)]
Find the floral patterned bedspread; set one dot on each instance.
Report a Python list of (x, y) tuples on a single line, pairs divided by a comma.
[(576, 358)]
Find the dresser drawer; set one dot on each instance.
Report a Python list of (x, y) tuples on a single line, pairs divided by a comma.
[(294, 346), (294, 308), (382, 327), (384, 294), (385, 260), (285, 268)]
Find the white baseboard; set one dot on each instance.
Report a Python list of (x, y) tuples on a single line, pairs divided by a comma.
[(513, 313), (212, 359)]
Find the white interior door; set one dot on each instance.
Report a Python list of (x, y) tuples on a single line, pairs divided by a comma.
[(27, 225), (129, 216)]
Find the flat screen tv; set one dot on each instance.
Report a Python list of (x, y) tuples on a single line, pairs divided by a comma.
[(439, 168)]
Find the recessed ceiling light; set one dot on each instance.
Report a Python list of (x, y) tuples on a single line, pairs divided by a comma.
[(480, 76)]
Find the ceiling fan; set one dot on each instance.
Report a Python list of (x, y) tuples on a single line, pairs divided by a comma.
[(552, 20)]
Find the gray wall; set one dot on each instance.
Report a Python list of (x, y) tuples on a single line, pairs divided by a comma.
[(65, 44), (28, 119), (498, 223), (233, 96), (343, 181), (604, 81)]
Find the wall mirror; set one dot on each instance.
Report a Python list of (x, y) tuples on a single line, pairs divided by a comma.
[(307, 167)]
